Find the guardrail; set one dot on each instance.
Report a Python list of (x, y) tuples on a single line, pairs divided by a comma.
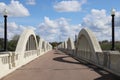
[(108, 60), (10, 61)]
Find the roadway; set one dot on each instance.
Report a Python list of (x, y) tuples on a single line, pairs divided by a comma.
[(56, 65)]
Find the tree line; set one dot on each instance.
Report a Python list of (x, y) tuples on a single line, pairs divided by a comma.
[(105, 44)]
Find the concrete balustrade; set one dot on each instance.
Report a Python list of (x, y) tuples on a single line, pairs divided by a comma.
[(27, 50), (30, 55), (88, 49), (115, 62), (111, 61), (7, 63)]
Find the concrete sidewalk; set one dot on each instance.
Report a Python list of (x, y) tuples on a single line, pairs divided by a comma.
[(56, 65)]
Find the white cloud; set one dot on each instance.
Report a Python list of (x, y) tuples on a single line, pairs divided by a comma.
[(15, 9), (69, 6), (117, 17), (100, 23), (31, 2), (60, 29), (13, 29), (50, 23), (12, 26)]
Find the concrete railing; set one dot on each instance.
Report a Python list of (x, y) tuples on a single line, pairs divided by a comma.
[(10, 61), (88, 49), (30, 55), (27, 50), (108, 60)]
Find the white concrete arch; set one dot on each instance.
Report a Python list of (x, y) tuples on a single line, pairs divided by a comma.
[(31, 44), (87, 45), (65, 45), (90, 37), (24, 37), (40, 43), (43, 46), (70, 44), (40, 46), (22, 43), (49, 46)]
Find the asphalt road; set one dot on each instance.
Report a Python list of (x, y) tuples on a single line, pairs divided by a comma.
[(56, 65)]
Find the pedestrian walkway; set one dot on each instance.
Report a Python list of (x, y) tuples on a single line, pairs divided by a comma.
[(56, 65)]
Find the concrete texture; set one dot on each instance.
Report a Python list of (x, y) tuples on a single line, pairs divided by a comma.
[(27, 50), (87, 41), (56, 65), (89, 50)]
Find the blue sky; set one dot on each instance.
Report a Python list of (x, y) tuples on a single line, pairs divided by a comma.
[(56, 20)]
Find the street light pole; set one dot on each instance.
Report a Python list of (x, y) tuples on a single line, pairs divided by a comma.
[(113, 33), (5, 30)]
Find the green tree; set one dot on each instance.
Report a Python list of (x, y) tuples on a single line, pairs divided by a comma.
[(1, 43), (55, 44), (16, 37), (13, 43)]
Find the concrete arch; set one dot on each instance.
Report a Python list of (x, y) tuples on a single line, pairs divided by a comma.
[(70, 44), (24, 37), (65, 45), (31, 44), (48, 46), (87, 45), (23, 42), (43, 46), (40, 43), (92, 41)]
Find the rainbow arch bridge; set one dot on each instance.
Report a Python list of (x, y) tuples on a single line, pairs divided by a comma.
[(86, 50)]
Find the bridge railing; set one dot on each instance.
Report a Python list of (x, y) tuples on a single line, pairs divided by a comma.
[(8, 61), (109, 60), (30, 55), (86, 55), (27, 50), (88, 49)]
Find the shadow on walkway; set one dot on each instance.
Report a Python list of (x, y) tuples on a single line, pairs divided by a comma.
[(104, 74), (59, 52), (61, 59)]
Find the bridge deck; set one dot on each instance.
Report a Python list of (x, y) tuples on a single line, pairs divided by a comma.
[(56, 65)]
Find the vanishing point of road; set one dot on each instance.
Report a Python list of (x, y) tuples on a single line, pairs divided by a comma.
[(56, 65)]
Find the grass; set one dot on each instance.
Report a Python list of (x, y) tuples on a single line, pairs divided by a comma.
[(108, 46)]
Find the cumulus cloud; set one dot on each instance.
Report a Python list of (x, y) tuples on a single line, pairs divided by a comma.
[(50, 23), (117, 19), (100, 23), (58, 29), (15, 9), (13, 29), (69, 5), (31, 2)]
